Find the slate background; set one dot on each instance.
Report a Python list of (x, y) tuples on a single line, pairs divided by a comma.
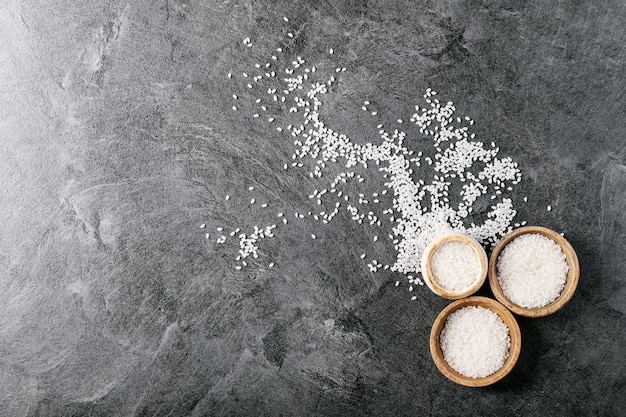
[(117, 140)]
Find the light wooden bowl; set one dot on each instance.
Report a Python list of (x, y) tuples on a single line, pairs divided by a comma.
[(570, 283), (429, 276), (507, 318)]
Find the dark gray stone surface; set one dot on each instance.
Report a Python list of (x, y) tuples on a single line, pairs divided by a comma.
[(117, 140)]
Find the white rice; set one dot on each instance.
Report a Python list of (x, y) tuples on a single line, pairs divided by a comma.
[(419, 199), (455, 265), (532, 270), (475, 341)]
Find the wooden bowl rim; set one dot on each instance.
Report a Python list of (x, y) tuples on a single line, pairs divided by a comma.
[(571, 282), (507, 318), (431, 282)]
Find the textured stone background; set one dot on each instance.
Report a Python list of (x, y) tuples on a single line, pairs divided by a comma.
[(117, 140)]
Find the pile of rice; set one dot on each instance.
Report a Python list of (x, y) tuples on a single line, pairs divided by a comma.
[(475, 341), (532, 270), (455, 265), (434, 171)]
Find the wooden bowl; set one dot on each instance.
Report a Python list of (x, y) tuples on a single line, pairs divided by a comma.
[(429, 276), (507, 318), (570, 283)]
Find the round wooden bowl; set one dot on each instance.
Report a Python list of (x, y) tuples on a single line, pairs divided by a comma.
[(428, 275), (570, 283), (507, 318)]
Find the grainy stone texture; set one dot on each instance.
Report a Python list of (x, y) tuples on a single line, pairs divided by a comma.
[(117, 140)]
